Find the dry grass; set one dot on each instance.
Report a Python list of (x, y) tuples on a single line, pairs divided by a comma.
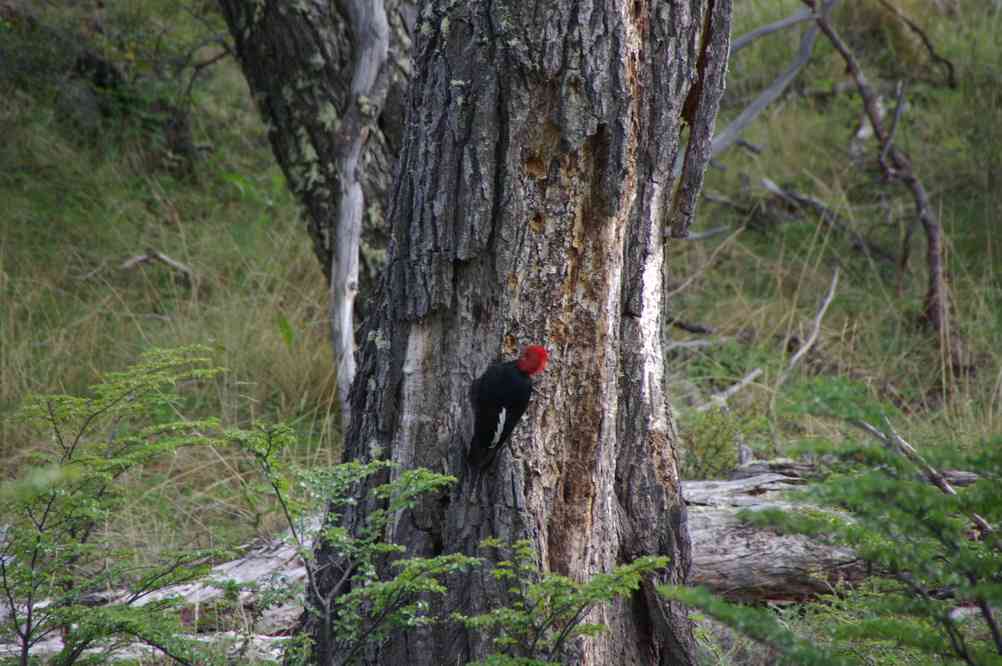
[(765, 288)]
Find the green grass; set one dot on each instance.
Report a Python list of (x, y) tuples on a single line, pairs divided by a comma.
[(77, 207)]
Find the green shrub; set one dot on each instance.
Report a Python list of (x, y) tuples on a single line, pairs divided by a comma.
[(57, 574)]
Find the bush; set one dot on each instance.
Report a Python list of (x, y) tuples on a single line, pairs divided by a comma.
[(57, 575)]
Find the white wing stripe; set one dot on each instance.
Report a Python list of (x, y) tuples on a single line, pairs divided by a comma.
[(500, 429)]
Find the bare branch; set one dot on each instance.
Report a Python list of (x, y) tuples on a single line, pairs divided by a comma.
[(695, 344), (720, 399), (749, 37), (370, 30), (153, 255), (899, 107), (732, 132), (895, 442), (951, 78), (829, 218), (935, 311), (815, 332), (690, 327), (709, 233)]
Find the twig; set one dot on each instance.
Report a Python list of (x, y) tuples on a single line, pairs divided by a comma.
[(829, 218), (730, 134), (153, 255), (750, 147), (690, 327), (695, 344), (951, 78), (806, 347), (896, 442), (709, 233), (720, 399), (899, 106), (749, 37), (706, 264)]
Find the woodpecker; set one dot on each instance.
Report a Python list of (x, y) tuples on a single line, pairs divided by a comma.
[(500, 396)]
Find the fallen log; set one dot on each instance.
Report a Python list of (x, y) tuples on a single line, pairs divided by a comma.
[(735, 560), (745, 563), (738, 561)]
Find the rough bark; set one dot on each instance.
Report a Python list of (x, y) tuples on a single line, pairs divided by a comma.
[(531, 203)]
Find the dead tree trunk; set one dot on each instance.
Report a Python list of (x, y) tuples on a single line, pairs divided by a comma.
[(329, 79), (530, 206)]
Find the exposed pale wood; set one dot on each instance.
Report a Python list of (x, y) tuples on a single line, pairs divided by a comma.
[(815, 332), (328, 78), (369, 32), (745, 563)]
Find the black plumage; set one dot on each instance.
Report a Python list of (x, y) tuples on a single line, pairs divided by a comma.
[(500, 397)]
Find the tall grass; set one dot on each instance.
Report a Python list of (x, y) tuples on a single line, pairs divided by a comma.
[(77, 208)]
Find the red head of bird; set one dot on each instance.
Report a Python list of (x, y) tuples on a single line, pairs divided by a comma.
[(533, 359)]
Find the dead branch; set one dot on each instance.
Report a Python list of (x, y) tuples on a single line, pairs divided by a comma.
[(895, 442), (743, 562), (369, 28), (730, 134), (829, 218), (899, 106), (709, 233), (690, 327), (749, 37), (153, 255), (750, 147), (900, 167), (696, 344), (815, 332), (951, 78), (720, 399)]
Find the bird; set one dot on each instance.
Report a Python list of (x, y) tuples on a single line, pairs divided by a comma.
[(500, 397)]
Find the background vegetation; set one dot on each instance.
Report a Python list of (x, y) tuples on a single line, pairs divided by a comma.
[(173, 159)]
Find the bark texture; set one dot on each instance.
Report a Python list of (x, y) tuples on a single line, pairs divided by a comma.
[(533, 192)]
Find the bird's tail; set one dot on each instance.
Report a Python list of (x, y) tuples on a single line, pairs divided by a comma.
[(479, 457)]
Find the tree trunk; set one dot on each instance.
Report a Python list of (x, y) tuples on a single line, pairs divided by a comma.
[(530, 206)]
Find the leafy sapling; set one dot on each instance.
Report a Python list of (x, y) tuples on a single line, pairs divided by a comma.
[(58, 577), (546, 612)]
